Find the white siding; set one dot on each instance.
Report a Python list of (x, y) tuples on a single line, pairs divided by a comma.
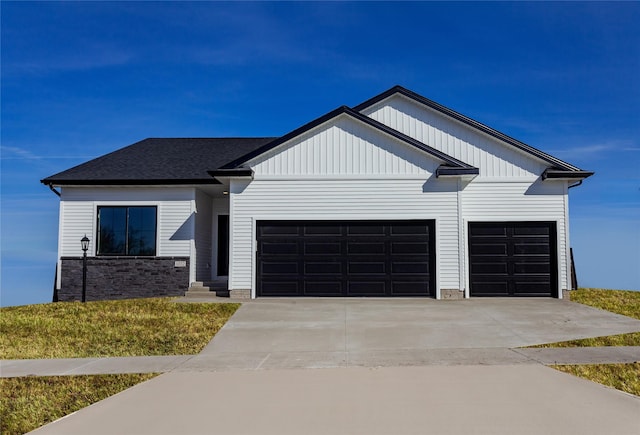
[(203, 237), (343, 147), (354, 199), (78, 216), (492, 157), (519, 201)]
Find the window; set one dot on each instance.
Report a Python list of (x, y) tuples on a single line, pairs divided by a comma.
[(126, 231)]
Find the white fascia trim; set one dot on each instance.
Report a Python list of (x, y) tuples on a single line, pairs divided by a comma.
[(365, 177)]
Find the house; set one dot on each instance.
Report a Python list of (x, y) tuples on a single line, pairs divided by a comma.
[(398, 196)]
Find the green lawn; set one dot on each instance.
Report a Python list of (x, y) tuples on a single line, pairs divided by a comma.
[(622, 302), (624, 377), (133, 327), (30, 402)]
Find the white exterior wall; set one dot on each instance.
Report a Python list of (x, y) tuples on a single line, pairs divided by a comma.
[(492, 157), (175, 218), (501, 200), (356, 199)]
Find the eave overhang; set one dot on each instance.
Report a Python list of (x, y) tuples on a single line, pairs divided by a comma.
[(467, 173), (133, 182), (560, 175)]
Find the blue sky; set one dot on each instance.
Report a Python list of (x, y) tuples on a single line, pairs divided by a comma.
[(80, 79)]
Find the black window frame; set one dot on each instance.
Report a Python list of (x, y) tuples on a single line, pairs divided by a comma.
[(127, 235)]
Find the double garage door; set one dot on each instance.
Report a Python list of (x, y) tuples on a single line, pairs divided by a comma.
[(397, 258), (348, 258)]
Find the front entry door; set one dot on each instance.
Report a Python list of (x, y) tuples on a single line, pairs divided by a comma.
[(223, 245)]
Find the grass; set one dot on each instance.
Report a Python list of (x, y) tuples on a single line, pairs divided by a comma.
[(624, 377), (30, 402), (622, 302), (134, 327)]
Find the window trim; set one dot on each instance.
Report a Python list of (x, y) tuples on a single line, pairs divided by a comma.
[(127, 207)]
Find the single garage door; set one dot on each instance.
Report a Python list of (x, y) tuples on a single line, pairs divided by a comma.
[(347, 258), (513, 259)]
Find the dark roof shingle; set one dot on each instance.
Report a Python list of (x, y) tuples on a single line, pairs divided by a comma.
[(160, 161)]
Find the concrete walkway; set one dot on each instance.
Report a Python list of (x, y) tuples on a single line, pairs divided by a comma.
[(210, 363)]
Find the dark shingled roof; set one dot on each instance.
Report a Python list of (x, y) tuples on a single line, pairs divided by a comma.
[(160, 161)]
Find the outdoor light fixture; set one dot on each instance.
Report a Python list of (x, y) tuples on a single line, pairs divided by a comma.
[(84, 242)]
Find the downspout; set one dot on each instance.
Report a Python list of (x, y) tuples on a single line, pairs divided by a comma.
[(575, 185), (53, 189)]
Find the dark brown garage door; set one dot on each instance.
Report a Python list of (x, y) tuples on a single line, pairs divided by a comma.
[(513, 259), (348, 258)]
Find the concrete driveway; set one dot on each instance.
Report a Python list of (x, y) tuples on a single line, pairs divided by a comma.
[(453, 391), (313, 333)]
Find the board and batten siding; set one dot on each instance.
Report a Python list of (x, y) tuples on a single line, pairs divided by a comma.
[(492, 157), (343, 146), (175, 220), (503, 201), (354, 199)]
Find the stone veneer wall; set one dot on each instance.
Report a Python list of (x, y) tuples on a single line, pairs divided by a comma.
[(124, 277)]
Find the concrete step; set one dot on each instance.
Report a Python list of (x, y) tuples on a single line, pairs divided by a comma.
[(199, 289)]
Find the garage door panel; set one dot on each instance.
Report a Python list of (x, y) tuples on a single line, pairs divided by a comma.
[(323, 268), (366, 230), (357, 258), (366, 288), (413, 230), (409, 248), (322, 288), (278, 230), (512, 259), (529, 288), (279, 288), (530, 230), (410, 288), (279, 268), (532, 268), (489, 249), (322, 248), (521, 248), (490, 288), (495, 268), (366, 248), (279, 248), (369, 268), (406, 267), (322, 230)]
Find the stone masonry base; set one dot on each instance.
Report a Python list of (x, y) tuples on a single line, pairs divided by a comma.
[(123, 277), (566, 294), (240, 294), (451, 293)]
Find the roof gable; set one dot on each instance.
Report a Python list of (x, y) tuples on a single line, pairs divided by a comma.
[(343, 140), (408, 120)]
